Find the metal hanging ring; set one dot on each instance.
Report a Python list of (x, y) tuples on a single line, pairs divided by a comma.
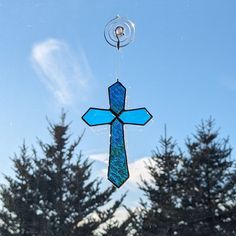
[(119, 32)]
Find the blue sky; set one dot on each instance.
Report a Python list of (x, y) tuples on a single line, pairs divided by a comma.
[(181, 66)]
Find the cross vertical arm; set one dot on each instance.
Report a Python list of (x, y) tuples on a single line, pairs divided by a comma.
[(118, 171)]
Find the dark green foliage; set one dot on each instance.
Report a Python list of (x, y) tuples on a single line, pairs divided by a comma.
[(189, 195), (192, 194), (208, 176), (116, 228), (161, 215), (52, 193)]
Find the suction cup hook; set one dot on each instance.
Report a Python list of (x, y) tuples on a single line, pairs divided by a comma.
[(119, 32)]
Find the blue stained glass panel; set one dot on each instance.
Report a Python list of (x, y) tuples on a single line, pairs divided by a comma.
[(117, 117), (118, 170), (136, 117), (117, 97), (98, 117)]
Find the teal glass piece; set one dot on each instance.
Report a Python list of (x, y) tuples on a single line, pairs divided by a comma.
[(118, 171), (117, 117), (135, 117), (96, 116), (117, 94)]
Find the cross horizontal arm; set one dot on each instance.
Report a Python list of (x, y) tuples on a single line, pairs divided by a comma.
[(139, 116), (96, 116)]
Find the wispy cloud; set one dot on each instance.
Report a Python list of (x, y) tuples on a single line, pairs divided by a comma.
[(137, 169), (63, 73)]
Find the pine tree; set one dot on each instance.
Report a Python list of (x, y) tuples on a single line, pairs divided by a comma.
[(52, 193), (192, 194), (122, 227), (209, 180), (160, 215)]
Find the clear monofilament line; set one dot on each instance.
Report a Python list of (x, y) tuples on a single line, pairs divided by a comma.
[(118, 64)]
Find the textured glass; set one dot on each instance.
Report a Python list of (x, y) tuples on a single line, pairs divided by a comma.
[(117, 97), (98, 117), (136, 117), (117, 117), (118, 170)]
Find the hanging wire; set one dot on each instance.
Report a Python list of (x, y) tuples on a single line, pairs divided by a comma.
[(119, 32), (118, 64)]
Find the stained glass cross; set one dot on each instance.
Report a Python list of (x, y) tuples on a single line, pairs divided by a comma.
[(117, 117)]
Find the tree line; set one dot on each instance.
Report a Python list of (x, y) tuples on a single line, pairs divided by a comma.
[(191, 193)]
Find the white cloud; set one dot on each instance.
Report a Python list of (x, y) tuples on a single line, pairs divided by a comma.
[(137, 169), (62, 73), (102, 157)]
